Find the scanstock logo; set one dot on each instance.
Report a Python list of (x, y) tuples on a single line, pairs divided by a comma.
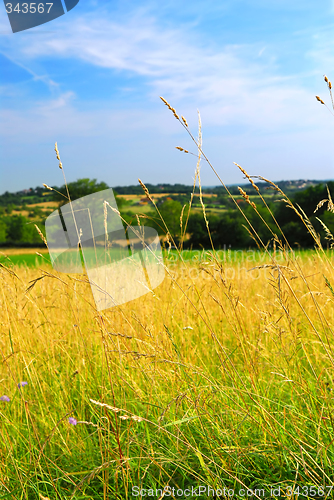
[(122, 264), (25, 15)]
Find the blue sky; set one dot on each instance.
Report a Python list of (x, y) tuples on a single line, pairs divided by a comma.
[(91, 81)]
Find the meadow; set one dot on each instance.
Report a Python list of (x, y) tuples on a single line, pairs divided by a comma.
[(209, 380), (217, 383)]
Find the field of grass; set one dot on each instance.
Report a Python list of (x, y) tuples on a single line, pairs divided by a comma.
[(22, 259), (220, 378), (40, 258)]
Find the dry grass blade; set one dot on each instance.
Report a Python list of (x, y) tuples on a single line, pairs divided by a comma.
[(146, 191), (41, 235), (329, 85), (329, 285), (8, 270), (320, 204), (34, 283), (105, 405), (329, 235), (330, 206)]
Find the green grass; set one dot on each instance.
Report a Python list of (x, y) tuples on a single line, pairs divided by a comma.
[(172, 257), (25, 259)]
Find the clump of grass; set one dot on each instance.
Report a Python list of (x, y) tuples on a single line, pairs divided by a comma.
[(223, 377)]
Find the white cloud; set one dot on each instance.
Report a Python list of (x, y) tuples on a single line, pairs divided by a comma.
[(238, 89), (232, 80)]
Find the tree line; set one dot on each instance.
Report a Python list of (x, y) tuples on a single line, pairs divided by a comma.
[(231, 229), (227, 229)]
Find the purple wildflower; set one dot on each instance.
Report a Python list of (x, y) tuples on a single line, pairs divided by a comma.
[(21, 384), (72, 421), (5, 398)]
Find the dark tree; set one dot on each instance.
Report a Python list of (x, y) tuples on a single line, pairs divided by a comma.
[(78, 189)]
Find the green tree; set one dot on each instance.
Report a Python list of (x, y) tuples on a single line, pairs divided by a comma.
[(18, 231), (78, 189), (171, 212), (10, 207), (198, 232), (15, 228), (3, 232)]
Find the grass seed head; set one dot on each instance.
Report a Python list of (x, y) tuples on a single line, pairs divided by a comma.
[(112, 408), (167, 104), (58, 157), (56, 150), (105, 213), (137, 419), (170, 107), (145, 190), (248, 177), (320, 204), (41, 234), (184, 121), (243, 193)]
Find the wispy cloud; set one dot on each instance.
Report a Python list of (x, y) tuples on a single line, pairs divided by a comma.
[(244, 89), (35, 77), (238, 85)]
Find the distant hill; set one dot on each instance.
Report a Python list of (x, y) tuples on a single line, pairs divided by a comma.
[(288, 187), (40, 194), (20, 211)]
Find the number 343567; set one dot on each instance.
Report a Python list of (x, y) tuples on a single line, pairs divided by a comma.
[(31, 8)]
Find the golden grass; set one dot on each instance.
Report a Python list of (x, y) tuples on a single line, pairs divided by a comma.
[(19, 251), (266, 331), (247, 302)]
